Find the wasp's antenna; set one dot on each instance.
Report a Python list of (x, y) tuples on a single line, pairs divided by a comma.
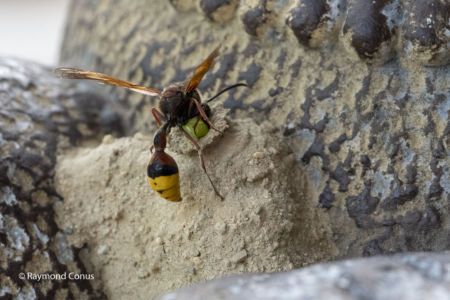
[(226, 89)]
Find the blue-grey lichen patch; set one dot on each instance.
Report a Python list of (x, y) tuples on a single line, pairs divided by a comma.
[(319, 178), (43, 237), (304, 139), (18, 238), (26, 292), (8, 197), (407, 154), (5, 290), (63, 251), (394, 14), (381, 184)]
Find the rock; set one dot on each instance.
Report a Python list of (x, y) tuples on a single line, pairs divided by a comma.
[(352, 121), (405, 276), (371, 28), (39, 116), (219, 10), (365, 119), (427, 37), (316, 23), (254, 15)]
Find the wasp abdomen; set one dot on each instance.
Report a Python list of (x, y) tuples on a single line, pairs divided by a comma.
[(163, 176)]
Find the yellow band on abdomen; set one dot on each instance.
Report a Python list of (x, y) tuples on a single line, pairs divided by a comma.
[(167, 187)]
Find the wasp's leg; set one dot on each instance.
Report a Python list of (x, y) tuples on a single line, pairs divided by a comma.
[(203, 114), (200, 155), (191, 107), (157, 115)]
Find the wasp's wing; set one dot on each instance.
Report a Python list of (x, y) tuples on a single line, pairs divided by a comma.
[(201, 71), (72, 73)]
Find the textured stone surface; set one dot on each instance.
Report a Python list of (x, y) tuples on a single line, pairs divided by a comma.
[(39, 114), (414, 31), (370, 28), (373, 139), (360, 110), (426, 32), (400, 277), (316, 23)]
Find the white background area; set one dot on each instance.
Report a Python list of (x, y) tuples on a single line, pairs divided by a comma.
[(32, 29)]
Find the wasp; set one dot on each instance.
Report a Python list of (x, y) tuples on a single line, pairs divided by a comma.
[(179, 105)]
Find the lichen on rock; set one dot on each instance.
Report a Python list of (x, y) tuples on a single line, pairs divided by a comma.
[(338, 148)]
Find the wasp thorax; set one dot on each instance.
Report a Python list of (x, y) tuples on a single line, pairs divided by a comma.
[(173, 90)]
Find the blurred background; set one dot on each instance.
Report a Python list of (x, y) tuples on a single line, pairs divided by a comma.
[(31, 29)]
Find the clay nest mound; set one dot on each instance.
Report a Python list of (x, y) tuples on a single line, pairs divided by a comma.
[(141, 245)]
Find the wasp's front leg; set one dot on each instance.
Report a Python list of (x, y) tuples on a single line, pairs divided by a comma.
[(203, 114), (202, 163)]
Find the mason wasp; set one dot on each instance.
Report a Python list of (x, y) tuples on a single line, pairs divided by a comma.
[(179, 105)]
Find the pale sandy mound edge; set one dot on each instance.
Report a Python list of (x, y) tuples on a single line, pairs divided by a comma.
[(140, 245)]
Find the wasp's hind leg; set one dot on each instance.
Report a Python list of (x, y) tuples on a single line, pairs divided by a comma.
[(203, 114), (202, 163)]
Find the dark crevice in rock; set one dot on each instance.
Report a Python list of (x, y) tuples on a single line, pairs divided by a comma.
[(359, 207)]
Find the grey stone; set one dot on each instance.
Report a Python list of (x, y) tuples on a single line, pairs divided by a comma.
[(399, 277)]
